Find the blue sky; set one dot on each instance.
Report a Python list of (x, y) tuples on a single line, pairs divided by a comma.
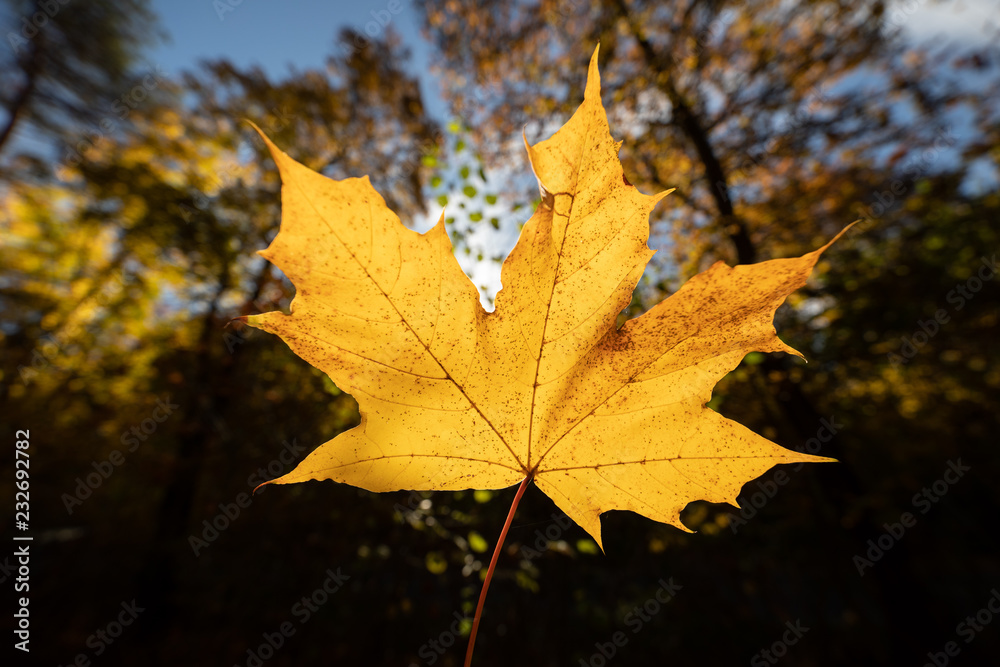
[(276, 35)]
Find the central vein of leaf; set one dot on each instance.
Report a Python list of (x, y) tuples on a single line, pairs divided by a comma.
[(552, 203)]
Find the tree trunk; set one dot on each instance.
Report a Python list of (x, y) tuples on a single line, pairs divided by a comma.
[(32, 70)]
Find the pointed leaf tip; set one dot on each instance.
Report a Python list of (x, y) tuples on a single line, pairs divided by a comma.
[(593, 77), (276, 153)]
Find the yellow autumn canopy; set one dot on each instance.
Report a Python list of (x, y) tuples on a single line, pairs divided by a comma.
[(453, 397)]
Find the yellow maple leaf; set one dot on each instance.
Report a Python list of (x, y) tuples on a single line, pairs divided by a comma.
[(546, 386)]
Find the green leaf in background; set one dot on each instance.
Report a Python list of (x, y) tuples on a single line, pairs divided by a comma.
[(477, 543)]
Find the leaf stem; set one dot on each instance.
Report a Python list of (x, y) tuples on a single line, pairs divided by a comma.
[(489, 572)]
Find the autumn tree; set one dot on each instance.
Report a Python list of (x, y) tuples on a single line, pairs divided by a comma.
[(734, 104), (125, 257), (779, 123), (123, 265), (747, 108), (69, 65)]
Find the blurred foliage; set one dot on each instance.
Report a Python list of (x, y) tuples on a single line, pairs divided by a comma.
[(779, 123), (482, 224), (71, 62), (124, 257)]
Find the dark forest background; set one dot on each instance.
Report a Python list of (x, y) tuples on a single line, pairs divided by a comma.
[(134, 202)]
